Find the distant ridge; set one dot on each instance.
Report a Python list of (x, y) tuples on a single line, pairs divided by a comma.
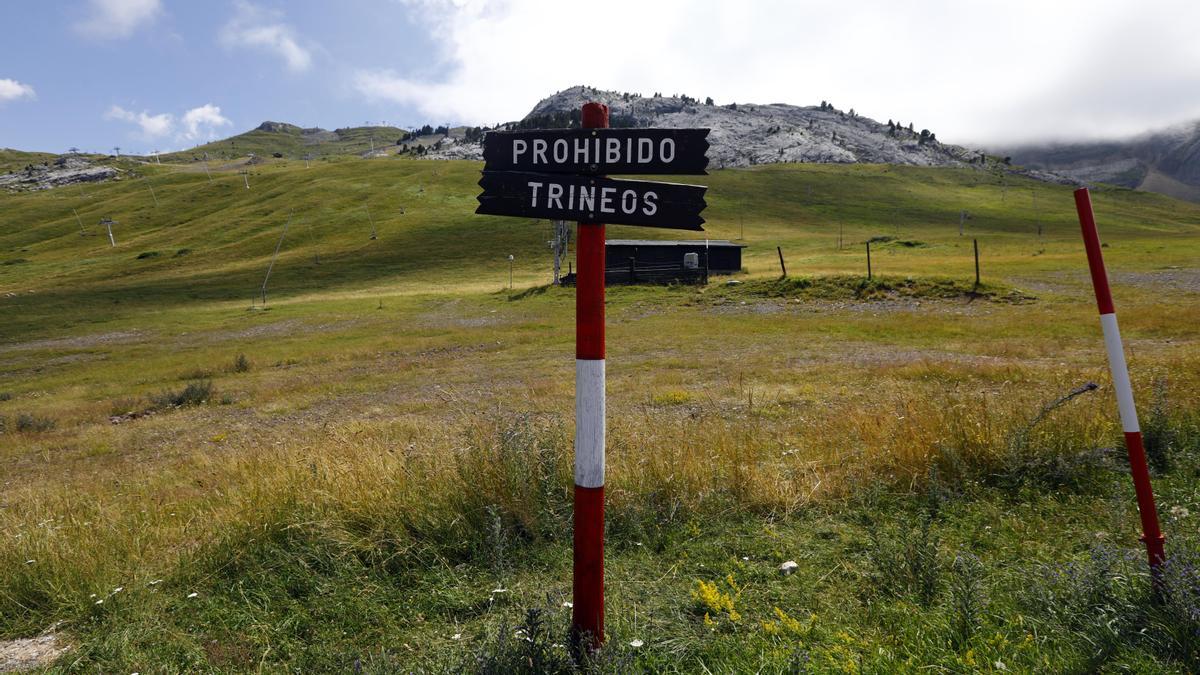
[(1165, 161)]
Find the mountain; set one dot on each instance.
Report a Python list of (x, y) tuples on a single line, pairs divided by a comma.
[(745, 134), (1166, 161), (291, 141)]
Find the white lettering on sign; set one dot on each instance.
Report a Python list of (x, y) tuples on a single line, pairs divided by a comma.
[(600, 151), (612, 151), (651, 199), (589, 200), (645, 150), (628, 201), (606, 200)]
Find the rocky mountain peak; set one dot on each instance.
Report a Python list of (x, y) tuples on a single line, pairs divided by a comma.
[(745, 134), (278, 127)]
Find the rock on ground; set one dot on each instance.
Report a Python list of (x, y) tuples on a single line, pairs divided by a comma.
[(64, 171), (30, 653)]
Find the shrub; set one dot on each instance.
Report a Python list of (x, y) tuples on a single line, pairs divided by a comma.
[(194, 393), (1160, 435), (148, 254), (966, 599), (122, 406), (529, 648), (712, 602), (1091, 598), (29, 422), (1181, 604), (671, 397), (904, 561), (197, 374), (520, 472), (241, 364), (5, 396)]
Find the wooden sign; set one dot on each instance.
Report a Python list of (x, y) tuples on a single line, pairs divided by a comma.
[(598, 151), (592, 199)]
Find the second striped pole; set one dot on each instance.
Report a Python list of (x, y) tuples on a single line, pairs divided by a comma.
[(1151, 534)]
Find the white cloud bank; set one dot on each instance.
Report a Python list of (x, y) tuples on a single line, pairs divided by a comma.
[(261, 29), (151, 126), (117, 19), (983, 71), (11, 90), (202, 123), (195, 125)]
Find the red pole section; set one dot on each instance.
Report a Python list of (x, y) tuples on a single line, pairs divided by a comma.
[(587, 616), (1151, 534)]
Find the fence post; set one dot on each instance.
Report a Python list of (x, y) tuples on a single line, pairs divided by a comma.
[(976, 242), (779, 249), (868, 261)]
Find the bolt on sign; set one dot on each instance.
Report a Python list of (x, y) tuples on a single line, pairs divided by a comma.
[(559, 174)]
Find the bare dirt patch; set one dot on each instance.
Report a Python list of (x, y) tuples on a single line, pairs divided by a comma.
[(1180, 280), (276, 329), (80, 342), (30, 653)]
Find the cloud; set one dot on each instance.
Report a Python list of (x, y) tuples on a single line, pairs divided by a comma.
[(11, 90), (116, 19), (971, 72), (201, 123), (151, 126), (261, 29), (197, 125)]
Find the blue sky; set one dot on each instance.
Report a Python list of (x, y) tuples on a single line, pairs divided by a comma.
[(169, 74), (103, 77)]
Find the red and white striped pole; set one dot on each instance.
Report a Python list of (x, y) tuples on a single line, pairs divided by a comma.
[(587, 616), (1151, 534)]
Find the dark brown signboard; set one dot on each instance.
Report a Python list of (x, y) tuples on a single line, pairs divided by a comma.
[(591, 199), (598, 151)]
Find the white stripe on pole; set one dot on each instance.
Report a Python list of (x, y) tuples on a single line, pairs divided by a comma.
[(589, 423), (1120, 373)]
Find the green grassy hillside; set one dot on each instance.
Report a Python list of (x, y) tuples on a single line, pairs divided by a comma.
[(15, 160), (291, 141), (373, 471), (210, 241)]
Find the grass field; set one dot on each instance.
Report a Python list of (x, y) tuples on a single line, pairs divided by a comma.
[(373, 469)]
